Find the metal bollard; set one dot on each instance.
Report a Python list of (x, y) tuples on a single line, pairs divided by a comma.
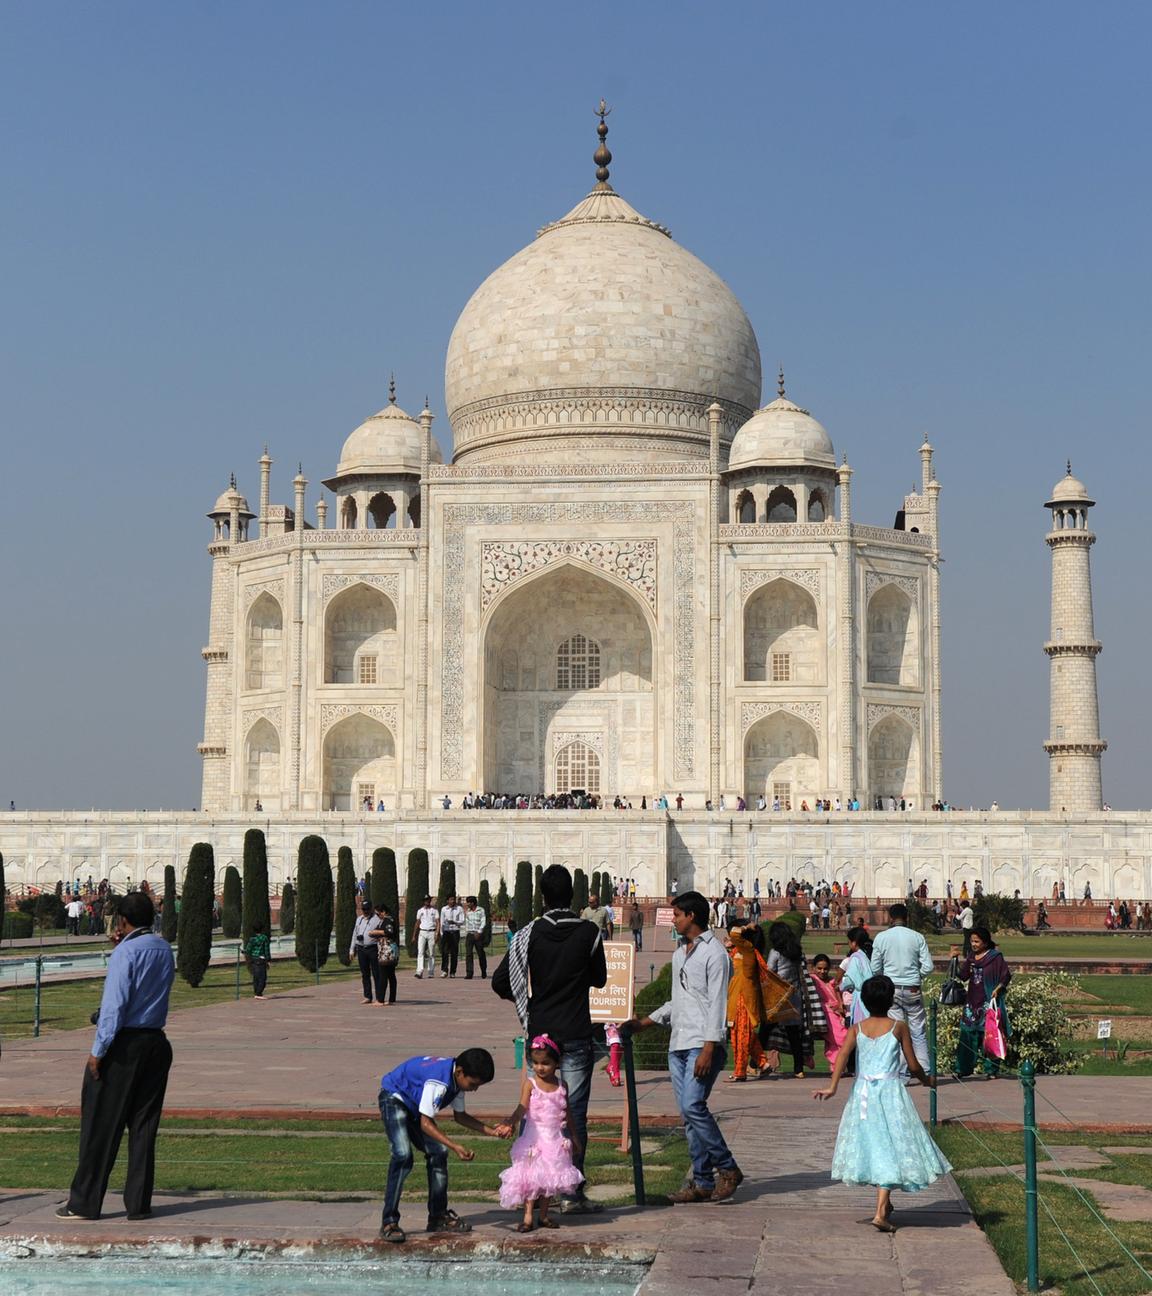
[(518, 1053), (317, 948), (1031, 1202), (36, 1008), (932, 1062), (237, 971)]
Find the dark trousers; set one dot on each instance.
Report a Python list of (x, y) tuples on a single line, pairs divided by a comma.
[(475, 946), (368, 957), (128, 1096), (259, 975), (449, 951), (795, 1033), (404, 1133), (638, 937), (387, 980)]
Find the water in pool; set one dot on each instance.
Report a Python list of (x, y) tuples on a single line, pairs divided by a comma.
[(84, 1276)]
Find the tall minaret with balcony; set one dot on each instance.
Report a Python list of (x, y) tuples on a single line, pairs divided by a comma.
[(1074, 745)]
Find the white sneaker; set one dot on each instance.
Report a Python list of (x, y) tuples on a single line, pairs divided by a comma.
[(443, 974)]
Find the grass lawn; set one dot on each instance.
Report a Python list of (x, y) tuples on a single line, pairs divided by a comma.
[(998, 1203), (311, 1158), (67, 1005)]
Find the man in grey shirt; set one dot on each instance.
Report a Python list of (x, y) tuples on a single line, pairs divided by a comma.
[(902, 954), (697, 1013)]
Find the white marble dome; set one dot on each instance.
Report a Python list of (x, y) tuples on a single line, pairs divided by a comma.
[(384, 445), (602, 336), (781, 435), (1070, 490)]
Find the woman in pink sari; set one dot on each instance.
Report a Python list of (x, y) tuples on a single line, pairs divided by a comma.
[(829, 991)]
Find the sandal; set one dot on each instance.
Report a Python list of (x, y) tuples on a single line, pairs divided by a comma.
[(393, 1233), (548, 1222), (525, 1227), (449, 1222), (735, 1079)]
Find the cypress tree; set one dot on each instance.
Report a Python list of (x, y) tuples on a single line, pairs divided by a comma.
[(288, 909), (230, 904), (594, 889), (522, 898), (169, 916), (255, 905), (345, 903), (385, 884), (484, 900), (503, 900), (579, 891), (538, 893), (194, 932), (368, 883), (417, 890), (314, 909), (447, 882)]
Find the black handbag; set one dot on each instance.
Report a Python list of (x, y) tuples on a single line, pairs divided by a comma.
[(953, 993)]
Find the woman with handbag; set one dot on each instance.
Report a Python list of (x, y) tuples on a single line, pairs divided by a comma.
[(984, 1023), (385, 936)]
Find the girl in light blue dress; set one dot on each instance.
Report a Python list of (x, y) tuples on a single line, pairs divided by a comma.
[(882, 1140)]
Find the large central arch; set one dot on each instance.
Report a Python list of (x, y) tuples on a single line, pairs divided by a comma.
[(568, 657)]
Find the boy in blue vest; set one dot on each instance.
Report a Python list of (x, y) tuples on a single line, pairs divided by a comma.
[(411, 1096)]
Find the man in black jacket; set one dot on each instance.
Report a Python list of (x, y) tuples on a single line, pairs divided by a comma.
[(560, 957)]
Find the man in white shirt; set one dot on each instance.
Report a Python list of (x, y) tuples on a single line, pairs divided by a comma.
[(967, 919), (427, 929), (75, 910), (452, 919)]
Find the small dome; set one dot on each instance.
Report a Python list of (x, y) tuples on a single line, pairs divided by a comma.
[(781, 435), (384, 445), (229, 500), (1069, 490)]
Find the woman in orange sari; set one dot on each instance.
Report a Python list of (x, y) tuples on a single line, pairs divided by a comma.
[(746, 1000)]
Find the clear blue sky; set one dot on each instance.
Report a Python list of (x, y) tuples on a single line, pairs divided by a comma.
[(223, 224)]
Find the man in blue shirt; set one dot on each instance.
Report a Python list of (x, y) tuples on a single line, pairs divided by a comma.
[(411, 1096), (127, 1073)]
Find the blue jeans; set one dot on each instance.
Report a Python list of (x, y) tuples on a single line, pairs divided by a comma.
[(404, 1133), (578, 1057), (705, 1142)]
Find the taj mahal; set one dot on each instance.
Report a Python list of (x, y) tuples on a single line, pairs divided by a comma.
[(633, 577)]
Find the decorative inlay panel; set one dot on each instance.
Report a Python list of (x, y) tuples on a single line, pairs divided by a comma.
[(810, 712), (878, 710), (333, 712), (751, 580), (274, 716), (873, 580), (504, 562), (593, 738), (388, 582), (253, 592), (500, 469), (458, 517)]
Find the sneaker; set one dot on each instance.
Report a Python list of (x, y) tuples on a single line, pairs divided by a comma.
[(690, 1193), (727, 1181), (419, 976), (579, 1206), (443, 975), (449, 1222), (63, 1211)]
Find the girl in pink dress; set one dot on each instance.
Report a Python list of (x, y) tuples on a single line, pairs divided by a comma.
[(541, 1157)]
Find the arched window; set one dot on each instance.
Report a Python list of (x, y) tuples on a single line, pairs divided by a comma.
[(745, 507), (382, 511), (817, 507), (360, 637), (348, 513), (577, 766), (893, 638), (262, 765), (782, 643), (578, 664), (265, 638), (781, 505)]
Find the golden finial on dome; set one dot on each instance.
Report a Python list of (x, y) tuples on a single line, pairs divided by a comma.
[(602, 156), (1069, 467), (780, 383), (391, 389)]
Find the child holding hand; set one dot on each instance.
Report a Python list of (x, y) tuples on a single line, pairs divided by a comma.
[(882, 1140), (541, 1157)]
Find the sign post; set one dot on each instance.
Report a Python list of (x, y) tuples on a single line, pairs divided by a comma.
[(664, 919), (614, 1003), (1104, 1034)]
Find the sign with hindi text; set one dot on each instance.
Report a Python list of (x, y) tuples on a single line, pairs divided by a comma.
[(613, 1002), (664, 917)]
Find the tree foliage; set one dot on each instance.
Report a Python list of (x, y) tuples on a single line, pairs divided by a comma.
[(230, 904), (503, 900), (484, 900), (168, 915), (522, 896), (288, 909), (594, 888), (313, 903), (385, 883), (998, 912), (417, 890), (579, 891), (194, 931), (345, 903), (447, 886), (538, 892), (255, 904)]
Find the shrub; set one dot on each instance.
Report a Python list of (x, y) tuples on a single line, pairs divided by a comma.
[(417, 890), (538, 892), (522, 897), (314, 903), (920, 916), (255, 905), (230, 904), (288, 909), (194, 931), (503, 900), (579, 891), (795, 918), (169, 915), (49, 910), (447, 885), (484, 900), (998, 912), (1041, 1025), (345, 903), (17, 925), (385, 884)]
